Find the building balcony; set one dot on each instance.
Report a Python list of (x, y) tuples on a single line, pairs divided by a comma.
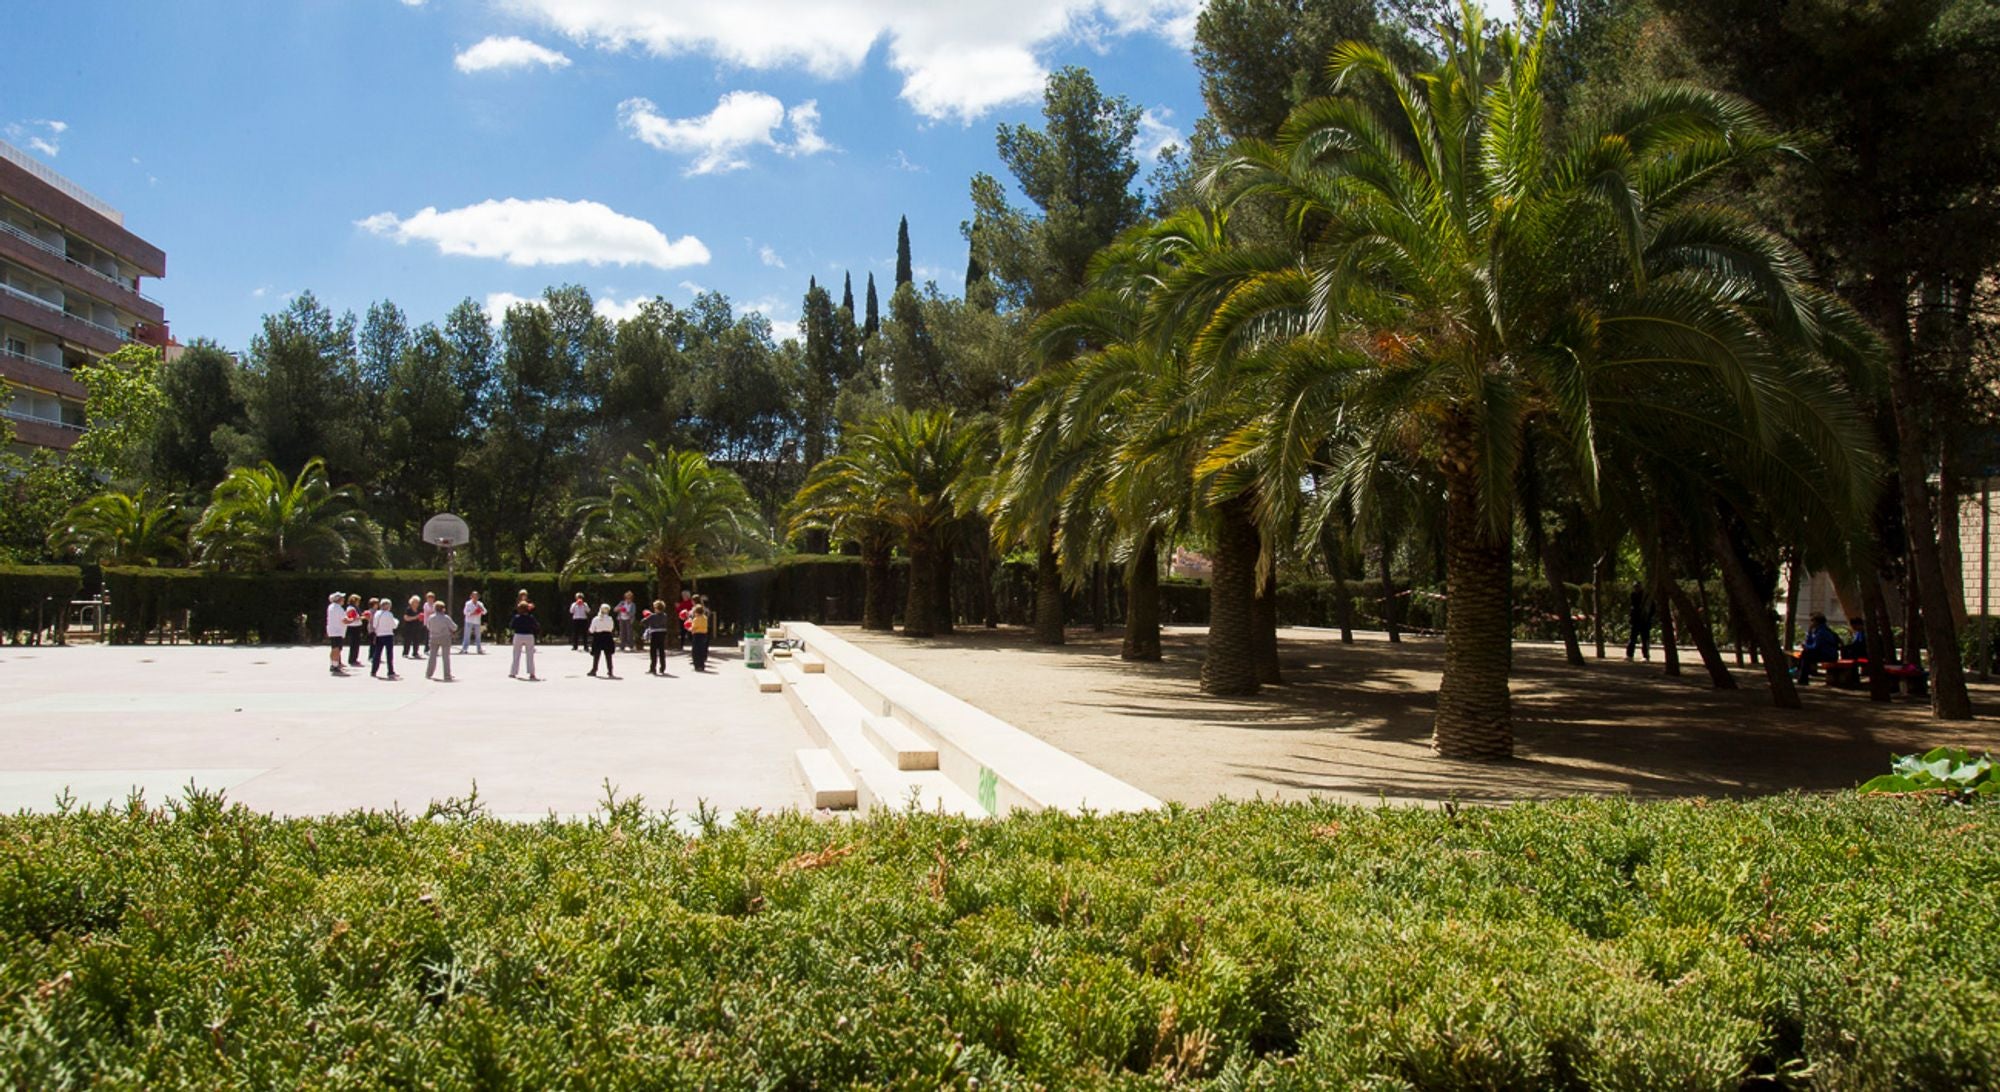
[(37, 313), (50, 261), (28, 371), (41, 432)]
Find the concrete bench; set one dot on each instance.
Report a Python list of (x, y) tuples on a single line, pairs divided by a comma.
[(768, 681), (811, 664), (899, 743), (827, 784)]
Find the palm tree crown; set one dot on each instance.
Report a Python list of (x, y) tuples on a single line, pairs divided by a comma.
[(671, 511), (260, 518)]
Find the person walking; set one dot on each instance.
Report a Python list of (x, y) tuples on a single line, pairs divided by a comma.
[(475, 621), (1639, 617), (627, 613), (602, 641), (336, 629), (441, 629), (579, 623), (658, 623), (524, 627), (384, 628), (698, 627), (355, 628)]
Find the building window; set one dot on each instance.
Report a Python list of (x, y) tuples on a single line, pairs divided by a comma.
[(17, 347)]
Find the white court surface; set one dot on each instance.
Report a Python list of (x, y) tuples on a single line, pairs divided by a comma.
[(273, 730)]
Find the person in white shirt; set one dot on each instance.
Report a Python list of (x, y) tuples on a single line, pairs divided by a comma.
[(627, 613), (336, 628), (475, 621), (384, 627), (579, 623), (601, 641)]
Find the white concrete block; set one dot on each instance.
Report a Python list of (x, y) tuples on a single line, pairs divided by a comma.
[(900, 744), (768, 681), (827, 784), (812, 664)]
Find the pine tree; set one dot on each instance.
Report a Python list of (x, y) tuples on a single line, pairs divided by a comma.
[(874, 320), (903, 272)]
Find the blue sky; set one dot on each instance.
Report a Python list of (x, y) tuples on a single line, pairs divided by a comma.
[(273, 146)]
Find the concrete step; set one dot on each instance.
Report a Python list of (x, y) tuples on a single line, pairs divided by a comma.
[(825, 782), (811, 664), (768, 681), (835, 720), (900, 744)]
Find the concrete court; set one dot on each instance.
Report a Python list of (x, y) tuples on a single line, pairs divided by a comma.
[(276, 732)]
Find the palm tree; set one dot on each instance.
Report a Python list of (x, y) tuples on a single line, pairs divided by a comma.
[(123, 529), (1455, 278), (259, 518), (670, 511), (923, 468), (842, 497)]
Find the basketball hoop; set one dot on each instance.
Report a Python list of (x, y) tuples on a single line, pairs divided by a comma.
[(448, 532)]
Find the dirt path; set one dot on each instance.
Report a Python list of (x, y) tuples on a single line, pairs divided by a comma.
[(1353, 721)]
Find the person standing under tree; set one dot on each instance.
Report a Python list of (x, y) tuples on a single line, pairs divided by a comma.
[(658, 624), (441, 629), (1639, 616), (336, 629), (413, 627), (682, 608), (602, 641)]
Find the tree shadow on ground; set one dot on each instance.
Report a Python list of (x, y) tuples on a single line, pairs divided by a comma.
[(1354, 721)]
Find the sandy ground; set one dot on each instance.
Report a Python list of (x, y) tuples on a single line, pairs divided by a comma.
[(1353, 721), (273, 730)]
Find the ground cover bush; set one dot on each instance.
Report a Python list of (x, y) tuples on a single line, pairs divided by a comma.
[(1848, 943)]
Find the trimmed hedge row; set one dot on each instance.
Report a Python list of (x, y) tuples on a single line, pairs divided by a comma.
[(1788, 942), (23, 592)]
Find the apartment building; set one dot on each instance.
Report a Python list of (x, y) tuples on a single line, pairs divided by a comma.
[(70, 292)]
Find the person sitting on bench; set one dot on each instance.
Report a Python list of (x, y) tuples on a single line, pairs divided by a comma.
[(1856, 647), (1821, 647)]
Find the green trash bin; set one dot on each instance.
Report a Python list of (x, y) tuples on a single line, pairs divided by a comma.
[(753, 651)]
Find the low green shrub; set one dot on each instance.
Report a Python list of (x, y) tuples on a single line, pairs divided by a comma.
[(1849, 943), (1947, 770)]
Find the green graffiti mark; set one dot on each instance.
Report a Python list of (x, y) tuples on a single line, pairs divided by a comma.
[(989, 791)]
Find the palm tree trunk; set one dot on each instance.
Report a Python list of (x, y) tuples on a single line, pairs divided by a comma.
[(1228, 666), (1474, 713), (1265, 614), (920, 609), (1881, 649), (988, 614), (1695, 623), (1048, 595), (1343, 600), (669, 579), (1388, 595), (1735, 578), (877, 611), (944, 621), (1142, 602), (1670, 652), (1949, 700)]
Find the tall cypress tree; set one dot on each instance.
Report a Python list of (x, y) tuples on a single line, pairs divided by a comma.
[(903, 273), (847, 292), (874, 320)]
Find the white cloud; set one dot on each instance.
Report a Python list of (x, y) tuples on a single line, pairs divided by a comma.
[(42, 135), (957, 60), (904, 163), (499, 53), (1156, 134), (548, 231), (782, 330), (770, 257), (719, 139), (498, 304), (691, 288)]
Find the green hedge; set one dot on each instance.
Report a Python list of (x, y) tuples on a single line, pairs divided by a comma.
[(1789, 942), (23, 590)]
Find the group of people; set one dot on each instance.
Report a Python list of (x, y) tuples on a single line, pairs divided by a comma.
[(620, 626), (426, 628), (1823, 646)]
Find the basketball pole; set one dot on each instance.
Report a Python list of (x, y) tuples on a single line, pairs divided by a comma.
[(450, 577)]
